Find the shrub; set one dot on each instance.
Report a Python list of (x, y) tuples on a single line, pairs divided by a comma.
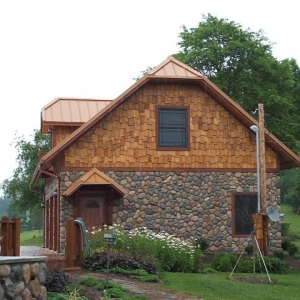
[(285, 228), (289, 246), (245, 265), (275, 265), (249, 249), (292, 249), (98, 261), (285, 244), (295, 235), (279, 254), (56, 281), (224, 262), (201, 243)]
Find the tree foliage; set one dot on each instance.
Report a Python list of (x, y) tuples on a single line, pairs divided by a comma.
[(240, 62), (17, 187)]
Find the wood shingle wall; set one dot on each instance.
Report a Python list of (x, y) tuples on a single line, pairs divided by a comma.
[(59, 133), (126, 138)]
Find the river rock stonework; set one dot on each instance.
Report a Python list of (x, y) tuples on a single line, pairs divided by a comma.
[(186, 204), (23, 278)]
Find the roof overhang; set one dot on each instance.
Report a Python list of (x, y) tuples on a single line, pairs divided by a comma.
[(94, 177)]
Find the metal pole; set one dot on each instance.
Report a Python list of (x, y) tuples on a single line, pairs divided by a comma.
[(256, 130), (107, 266)]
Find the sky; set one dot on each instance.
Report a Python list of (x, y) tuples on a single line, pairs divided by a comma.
[(93, 49)]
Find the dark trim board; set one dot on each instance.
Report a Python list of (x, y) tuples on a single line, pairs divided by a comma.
[(128, 169)]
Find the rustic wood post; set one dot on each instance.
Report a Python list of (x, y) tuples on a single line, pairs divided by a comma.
[(70, 242), (263, 188), (16, 236), (74, 247), (4, 234), (262, 151)]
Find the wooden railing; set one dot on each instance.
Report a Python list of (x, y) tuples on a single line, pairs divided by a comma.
[(10, 237), (74, 249)]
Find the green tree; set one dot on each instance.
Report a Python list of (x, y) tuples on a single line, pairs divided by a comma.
[(4, 204), (148, 69), (17, 187), (240, 62)]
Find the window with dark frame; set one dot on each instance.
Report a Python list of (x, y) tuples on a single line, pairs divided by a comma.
[(173, 128), (245, 205)]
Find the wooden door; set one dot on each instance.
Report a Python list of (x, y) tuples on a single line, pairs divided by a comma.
[(92, 211)]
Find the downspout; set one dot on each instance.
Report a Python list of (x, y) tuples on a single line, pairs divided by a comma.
[(58, 205)]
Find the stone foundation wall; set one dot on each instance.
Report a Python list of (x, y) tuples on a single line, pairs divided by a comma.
[(187, 205), (23, 278)]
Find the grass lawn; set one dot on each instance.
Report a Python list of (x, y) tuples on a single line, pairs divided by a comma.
[(291, 218), (32, 238), (217, 286)]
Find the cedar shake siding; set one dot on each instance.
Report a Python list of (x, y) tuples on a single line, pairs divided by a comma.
[(128, 136)]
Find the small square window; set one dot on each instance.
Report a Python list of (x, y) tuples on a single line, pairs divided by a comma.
[(172, 128), (244, 206)]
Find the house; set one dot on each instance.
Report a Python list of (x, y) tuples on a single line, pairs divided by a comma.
[(173, 153)]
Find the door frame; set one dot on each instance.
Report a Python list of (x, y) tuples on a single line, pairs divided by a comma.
[(108, 196)]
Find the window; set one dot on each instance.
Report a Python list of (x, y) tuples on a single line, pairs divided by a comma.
[(244, 206), (172, 128)]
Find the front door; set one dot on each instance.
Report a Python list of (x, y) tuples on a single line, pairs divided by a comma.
[(92, 211)]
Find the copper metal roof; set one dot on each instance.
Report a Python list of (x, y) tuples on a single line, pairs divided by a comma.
[(71, 111), (174, 68), (94, 176)]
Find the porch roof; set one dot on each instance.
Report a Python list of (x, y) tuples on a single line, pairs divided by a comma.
[(94, 177), (70, 111)]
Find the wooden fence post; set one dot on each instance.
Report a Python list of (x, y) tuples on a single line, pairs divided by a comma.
[(70, 242), (4, 234), (16, 236), (74, 251), (10, 237)]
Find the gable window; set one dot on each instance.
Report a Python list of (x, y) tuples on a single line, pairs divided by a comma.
[(172, 128), (244, 206)]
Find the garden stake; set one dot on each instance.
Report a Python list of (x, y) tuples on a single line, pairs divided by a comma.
[(107, 266)]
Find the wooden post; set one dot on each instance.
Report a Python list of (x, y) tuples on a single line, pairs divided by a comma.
[(51, 223), (70, 242), (263, 240), (74, 251), (16, 236), (57, 220), (258, 227), (262, 152), (4, 234)]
